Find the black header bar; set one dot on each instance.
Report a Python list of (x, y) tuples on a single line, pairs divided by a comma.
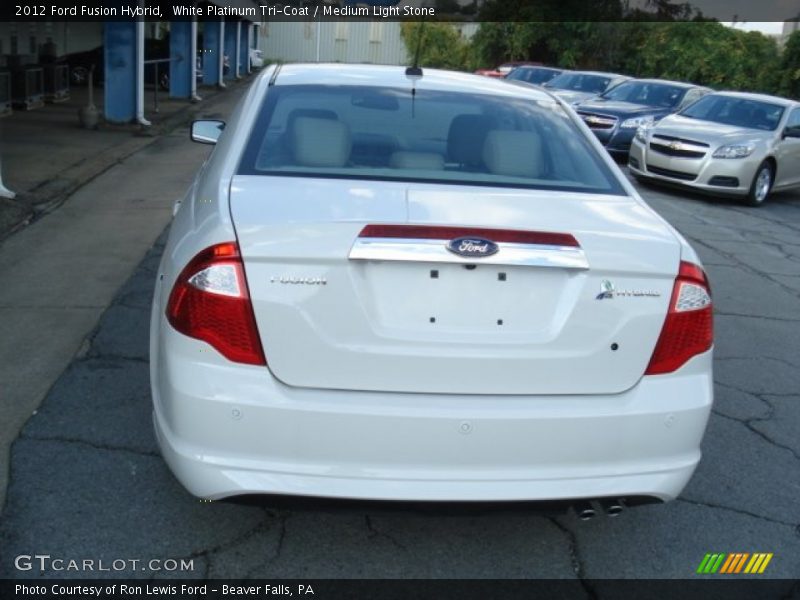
[(26, 11)]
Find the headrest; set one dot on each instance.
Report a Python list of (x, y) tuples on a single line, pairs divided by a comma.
[(466, 137), (513, 153), (416, 160), (320, 142), (317, 113)]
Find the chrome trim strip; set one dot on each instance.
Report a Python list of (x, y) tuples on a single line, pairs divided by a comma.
[(597, 119), (435, 251)]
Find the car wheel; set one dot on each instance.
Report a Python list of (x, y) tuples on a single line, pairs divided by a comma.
[(761, 186)]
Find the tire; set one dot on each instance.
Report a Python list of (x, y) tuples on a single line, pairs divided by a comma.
[(762, 184)]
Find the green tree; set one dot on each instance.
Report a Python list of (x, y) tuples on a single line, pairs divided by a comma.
[(790, 67), (707, 53), (440, 45)]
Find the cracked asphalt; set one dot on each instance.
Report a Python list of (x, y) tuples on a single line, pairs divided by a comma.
[(87, 480)]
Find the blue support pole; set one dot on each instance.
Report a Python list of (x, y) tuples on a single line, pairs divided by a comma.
[(230, 50), (244, 48), (212, 52), (120, 56), (182, 63)]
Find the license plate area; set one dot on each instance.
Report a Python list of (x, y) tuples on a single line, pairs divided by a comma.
[(441, 299)]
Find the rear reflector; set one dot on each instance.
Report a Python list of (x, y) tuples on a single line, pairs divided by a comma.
[(511, 236), (689, 327), (210, 302)]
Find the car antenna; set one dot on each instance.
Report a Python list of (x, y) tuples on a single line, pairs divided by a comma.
[(414, 72)]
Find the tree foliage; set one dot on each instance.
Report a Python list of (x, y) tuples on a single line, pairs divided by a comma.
[(700, 51), (440, 45), (790, 67)]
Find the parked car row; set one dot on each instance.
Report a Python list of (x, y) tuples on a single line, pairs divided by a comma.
[(615, 115), (722, 143)]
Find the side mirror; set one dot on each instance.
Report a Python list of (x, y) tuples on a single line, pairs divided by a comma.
[(207, 132), (791, 132)]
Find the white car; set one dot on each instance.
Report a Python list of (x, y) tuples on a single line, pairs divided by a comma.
[(390, 286)]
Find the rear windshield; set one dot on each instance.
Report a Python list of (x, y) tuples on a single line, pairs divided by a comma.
[(360, 132), (740, 112), (580, 82), (647, 93)]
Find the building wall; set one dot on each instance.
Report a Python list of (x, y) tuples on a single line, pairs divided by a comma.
[(340, 41), (376, 42), (789, 27)]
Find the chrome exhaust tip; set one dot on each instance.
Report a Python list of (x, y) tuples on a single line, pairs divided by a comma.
[(612, 508), (584, 510)]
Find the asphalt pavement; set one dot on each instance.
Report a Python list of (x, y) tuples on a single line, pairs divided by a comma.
[(87, 480), (59, 274)]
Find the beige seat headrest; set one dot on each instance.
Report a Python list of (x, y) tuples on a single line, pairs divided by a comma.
[(513, 153), (320, 142)]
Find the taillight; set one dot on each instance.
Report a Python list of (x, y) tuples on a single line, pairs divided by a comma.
[(689, 327), (210, 302)]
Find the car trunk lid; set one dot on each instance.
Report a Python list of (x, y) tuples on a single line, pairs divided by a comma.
[(342, 305)]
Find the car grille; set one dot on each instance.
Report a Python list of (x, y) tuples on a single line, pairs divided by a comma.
[(673, 174), (678, 147), (595, 121)]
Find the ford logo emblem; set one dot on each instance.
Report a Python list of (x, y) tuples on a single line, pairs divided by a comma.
[(472, 247)]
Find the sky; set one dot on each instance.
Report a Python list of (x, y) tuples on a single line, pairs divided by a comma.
[(768, 27), (776, 11)]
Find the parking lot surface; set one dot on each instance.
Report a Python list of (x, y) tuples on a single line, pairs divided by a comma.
[(87, 480)]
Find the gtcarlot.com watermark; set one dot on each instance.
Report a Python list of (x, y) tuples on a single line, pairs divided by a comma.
[(46, 562)]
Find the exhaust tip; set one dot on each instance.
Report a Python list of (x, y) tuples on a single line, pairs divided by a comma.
[(613, 508), (584, 510)]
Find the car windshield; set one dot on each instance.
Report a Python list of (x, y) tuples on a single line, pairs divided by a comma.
[(457, 138), (580, 82), (534, 75), (647, 93), (741, 112)]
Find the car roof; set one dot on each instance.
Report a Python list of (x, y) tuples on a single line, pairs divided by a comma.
[(540, 67), (601, 74), (758, 97), (681, 84), (394, 76)]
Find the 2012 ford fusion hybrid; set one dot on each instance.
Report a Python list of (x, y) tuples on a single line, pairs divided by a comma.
[(390, 284)]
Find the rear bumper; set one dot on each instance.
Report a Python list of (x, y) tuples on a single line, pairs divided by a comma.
[(226, 430)]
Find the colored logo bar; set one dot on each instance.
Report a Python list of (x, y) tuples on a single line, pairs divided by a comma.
[(736, 562)]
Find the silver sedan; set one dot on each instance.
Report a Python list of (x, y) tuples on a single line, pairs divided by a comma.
[(727, 144)]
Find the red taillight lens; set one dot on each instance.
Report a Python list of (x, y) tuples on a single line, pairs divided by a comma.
[(434, 232), (689, 327), (210, 302)]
